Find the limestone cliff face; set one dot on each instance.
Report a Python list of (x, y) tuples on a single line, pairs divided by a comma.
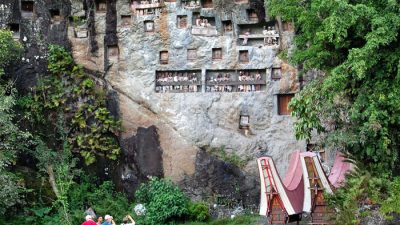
[(166, 126), (186, 122)]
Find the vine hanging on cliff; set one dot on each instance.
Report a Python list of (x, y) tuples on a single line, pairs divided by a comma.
[(91, 129)]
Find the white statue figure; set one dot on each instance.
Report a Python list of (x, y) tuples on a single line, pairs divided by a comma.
[(246, 37)]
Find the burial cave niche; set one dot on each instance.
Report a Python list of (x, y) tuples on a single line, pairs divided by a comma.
[(276, 73), (283, 103), (14, 28), (27, 9), (149, 26), (182, 21), (164, 57), (249, 80), (243, 56), (252, 15), (191, 54), (216, 54), (207, 3), (113, 54), (101, 5), (228, 26), (126, 20), (55, 16), (180, 81)]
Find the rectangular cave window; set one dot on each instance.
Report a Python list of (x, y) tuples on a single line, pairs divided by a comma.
[(209, 21), (182, 21), (101, 5), (252, 15), (55, 15), (244, 121), (241, 1), (113, 53), (276, 73), (149, 26), (244, 56), (27, 8), (191, 54), (207, 3), (217, 53), (164, 57), (14, 28), (283, 102), (126, 20), (228, 27)]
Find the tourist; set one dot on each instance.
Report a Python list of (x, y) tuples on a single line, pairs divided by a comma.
[(89, 220), (109, 220), (99, 220), (127, 219)]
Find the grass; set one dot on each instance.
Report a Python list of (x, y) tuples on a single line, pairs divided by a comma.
[(239, 220)]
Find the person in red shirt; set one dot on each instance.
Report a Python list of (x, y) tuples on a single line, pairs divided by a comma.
[(89, 220)]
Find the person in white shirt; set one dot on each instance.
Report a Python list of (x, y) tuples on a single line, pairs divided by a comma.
[(126, 220)]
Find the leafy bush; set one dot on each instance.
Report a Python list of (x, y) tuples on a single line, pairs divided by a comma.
[(165, 203), (198, 211), (239, 220), (103, 199), (362, 189), (392, 203)]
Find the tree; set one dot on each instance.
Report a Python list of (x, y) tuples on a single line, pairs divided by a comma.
[(12, 139), (355, 104)]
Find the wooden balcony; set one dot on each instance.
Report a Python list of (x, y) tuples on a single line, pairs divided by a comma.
[(232, 83), (147, 6), (258, 36), (204, 31)]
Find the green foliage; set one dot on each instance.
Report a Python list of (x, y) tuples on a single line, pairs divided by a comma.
[(392, 203), (228, 157), (356, 103), (239, 220), (165, 203), (103, 199), (354, 106), (12, 139), (78, 21), (362, 188), (284, 54), (10, 50), (69, 91), (198, 211)]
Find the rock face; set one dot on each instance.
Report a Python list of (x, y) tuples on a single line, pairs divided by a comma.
[(134, 46), (34, 25), (189, 121), (141, 158), (221, 182)]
